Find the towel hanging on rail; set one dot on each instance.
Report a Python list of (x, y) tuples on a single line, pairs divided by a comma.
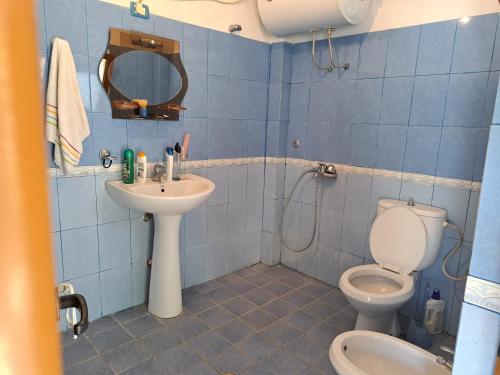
[(66, 121)]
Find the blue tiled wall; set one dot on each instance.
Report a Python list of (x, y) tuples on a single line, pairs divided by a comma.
[(228, 78), (477, 342), (479, 333), (417, 99), (101, 247)]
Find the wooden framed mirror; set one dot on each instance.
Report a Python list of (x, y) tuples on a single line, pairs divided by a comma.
[(143, 76)]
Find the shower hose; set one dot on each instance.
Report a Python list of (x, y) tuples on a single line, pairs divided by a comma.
[(287, 202), (452, 252), (448, 256)]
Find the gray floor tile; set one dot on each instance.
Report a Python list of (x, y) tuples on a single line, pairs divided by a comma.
[(289, 333), (236, 330), (78, 351), (343, 320), (322, 362), (302, 320), (209, 344), (284, 363), (197, 303), (258, 370), (259, 279), (201, 369), (279, 308), (316, 289), (191, 291), (143, 326), (161, 341), (311, 370), (324, 333), (294, 281), (297, 298), (306, 348), (335, 298), (188, 327), (277, 288), (278, 272), (126, 356), (171, 322), (131, 313), (238, 306), (67, 337), (259, 319), (241, 286), (258, 347), (110, 339), (281, 332), (178, 359), (320, 309), (220, 295), (260, 267), (227, 279), (216, 316), (258, 296), (94, 366), (247, 271), (205, 287), (100, 325), (350, 310), (150, 367), (231, 361)]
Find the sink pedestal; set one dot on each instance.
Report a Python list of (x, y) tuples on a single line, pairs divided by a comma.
[(165, 290), (167, 203)]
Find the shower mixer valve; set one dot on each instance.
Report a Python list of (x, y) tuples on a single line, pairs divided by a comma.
[(326, 170)]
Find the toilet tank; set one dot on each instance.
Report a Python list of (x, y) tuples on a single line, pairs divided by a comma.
[(433, 219)]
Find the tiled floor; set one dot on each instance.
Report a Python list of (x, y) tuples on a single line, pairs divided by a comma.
[(257, 321)]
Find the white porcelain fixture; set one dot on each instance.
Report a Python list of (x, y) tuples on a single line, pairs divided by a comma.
[(404, 237), (373, 353), (167, 204)]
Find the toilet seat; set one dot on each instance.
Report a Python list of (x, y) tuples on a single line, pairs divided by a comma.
[(398, 239), (375, 273)]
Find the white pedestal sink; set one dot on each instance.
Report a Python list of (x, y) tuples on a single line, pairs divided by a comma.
[(167, 205)]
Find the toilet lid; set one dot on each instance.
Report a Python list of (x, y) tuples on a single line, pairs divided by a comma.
[(398, 239)]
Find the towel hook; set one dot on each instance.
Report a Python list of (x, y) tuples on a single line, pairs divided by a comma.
[(106, 158)]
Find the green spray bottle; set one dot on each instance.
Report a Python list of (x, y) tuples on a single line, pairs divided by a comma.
[(128, 166)]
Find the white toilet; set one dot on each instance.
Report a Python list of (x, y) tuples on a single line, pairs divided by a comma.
[(405, 237), (373, 353)]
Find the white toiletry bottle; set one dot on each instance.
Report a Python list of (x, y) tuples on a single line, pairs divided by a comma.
[(434, 313), (142, 167), (170, 163)]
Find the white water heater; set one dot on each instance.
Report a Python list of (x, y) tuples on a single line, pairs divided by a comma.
[(290, 17)]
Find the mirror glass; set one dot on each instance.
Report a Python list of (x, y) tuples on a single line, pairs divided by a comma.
[(144, 75)]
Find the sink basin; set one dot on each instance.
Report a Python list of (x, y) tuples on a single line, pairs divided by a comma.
[(177, 197), (167, 202)]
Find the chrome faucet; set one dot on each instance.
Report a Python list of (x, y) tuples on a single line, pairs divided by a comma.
[(159, 173), (443, 361), (326, 170)]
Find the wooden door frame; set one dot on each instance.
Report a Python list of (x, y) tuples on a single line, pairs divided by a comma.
[(29, 342)]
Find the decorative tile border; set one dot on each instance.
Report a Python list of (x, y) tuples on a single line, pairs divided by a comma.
[(482, 293), (189, 164), (402, 176), (349, 169), (418, 178)]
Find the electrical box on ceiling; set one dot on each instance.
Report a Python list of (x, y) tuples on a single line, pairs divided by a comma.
[(290, 17)]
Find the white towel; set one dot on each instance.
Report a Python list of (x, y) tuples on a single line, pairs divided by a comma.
[(66, 120)]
